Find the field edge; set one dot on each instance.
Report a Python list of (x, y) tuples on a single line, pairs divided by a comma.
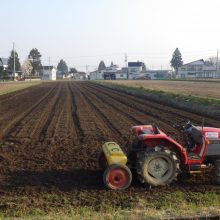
[(194, 104), (14, 86)]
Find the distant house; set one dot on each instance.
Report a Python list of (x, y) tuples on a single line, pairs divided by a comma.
[(78, 76), (4, 63), (122, 74), (49, 73), (135, 69), (157, 74), (109, 73), (96, 75), (59, 75), (197, 69)]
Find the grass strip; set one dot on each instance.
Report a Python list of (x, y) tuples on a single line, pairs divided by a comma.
[(176, 204), (6, 87), (199, 105), (203, 100)]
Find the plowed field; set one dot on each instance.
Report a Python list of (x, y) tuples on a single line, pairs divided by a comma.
[(51, 135)]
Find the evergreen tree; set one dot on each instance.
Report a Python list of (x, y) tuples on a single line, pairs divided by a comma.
[(73, 70), (176, 61), (35, 59), (11, 62), (1, 68), (1, 72), (101, 66), (62, 67)]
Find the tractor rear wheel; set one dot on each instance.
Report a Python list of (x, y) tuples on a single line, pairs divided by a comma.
[(217, 171), (117, 177), (157, 167)]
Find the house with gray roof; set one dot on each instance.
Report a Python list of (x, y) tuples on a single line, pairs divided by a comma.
[(197, 69), (4, 63)]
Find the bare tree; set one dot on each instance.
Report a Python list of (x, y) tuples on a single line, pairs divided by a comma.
[(211, 61), (27, 67)]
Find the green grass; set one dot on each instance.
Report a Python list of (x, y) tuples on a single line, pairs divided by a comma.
[(203, 100), (167, 205)]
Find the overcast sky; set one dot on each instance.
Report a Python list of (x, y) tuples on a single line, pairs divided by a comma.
[(83, 32)]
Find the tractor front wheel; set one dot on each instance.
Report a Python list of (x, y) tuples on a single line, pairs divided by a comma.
[(158, 166), (117, 177)]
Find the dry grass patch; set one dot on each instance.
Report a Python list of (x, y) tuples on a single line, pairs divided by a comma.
[(194, 88), (8, 87)]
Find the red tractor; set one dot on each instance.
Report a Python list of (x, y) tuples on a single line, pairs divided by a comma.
[(158, 159)]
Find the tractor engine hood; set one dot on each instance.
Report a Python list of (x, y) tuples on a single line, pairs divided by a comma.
[(213, 137), (210, 133), (138, 129)]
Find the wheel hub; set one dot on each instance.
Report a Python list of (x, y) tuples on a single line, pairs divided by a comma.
[(158, 167), (118, 177)]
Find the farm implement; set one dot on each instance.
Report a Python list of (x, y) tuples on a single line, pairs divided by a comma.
[(158, 159)]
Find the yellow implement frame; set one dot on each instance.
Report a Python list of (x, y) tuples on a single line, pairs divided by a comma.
[(114, 154)]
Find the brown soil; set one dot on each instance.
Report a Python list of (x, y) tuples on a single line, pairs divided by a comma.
[(51, 135)]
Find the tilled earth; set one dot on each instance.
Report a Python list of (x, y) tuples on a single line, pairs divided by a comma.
[(51, 135)]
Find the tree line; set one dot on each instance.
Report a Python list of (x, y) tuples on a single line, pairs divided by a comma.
[(31, 66)]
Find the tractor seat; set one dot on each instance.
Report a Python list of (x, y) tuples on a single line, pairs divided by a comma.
[(193, 156)]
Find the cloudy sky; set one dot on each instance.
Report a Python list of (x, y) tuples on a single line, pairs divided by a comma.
[(83, 32)]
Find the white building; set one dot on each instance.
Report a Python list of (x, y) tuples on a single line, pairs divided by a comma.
[(96, 75), (135, 69), (122, 74), (78, 76), (49, 73), (158, 74), (110, 72), (197, 69)]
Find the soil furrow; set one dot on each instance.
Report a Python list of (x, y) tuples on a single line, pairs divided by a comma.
[(52, 142), (177, 114), (17, 121)]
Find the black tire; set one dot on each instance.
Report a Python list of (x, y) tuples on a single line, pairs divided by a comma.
[(157, 167), (117, 177), (217, 171), (102, 161)]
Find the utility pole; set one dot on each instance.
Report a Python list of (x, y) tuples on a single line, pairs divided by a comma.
[(49, 69), (126, 64), (217, 64), (87, 72), (14, 60)]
